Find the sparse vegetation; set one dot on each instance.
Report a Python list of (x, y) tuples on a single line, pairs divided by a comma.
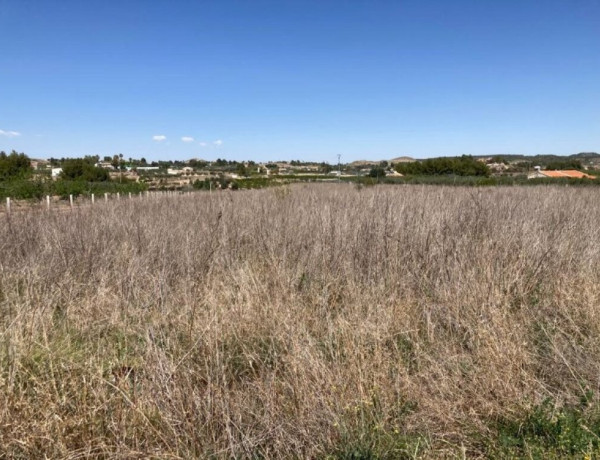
[(321, 321)]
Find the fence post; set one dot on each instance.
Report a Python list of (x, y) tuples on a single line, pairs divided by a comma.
[(48, 202), (130, 195), (118, 196), (8, 205), (93, 199), (106, 197), (71, 201)]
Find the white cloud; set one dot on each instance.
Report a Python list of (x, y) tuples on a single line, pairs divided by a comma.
[(9, 133), (202, 144), (218, 142), (159, 138), (187, 139)]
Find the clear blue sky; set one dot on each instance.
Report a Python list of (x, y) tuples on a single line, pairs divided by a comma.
[(268, 80)]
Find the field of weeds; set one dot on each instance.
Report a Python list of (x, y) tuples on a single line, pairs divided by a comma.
[(315, 321)]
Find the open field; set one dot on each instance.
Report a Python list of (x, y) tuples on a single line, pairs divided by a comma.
[(316, 321)]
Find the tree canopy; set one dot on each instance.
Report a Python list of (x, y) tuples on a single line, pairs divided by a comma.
[(377, 172), (14, 165), (568, 164), (80, 169), (465, 165)]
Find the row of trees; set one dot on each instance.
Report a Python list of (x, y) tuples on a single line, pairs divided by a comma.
[(569, 164), (79, 176), (465, 165), (15, 166)]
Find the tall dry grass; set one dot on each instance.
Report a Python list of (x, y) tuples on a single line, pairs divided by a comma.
[(309, 321)]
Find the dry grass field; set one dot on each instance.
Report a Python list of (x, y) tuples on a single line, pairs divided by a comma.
[(316, 321)]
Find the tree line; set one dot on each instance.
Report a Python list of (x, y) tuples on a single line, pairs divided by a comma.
[(79, 176), (464, 165)]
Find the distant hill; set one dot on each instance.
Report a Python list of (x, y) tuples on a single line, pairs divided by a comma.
[(586, 158), (363, 163), (544, 159), (586, 155)]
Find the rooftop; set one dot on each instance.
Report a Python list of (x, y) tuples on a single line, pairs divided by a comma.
[(571, 173)]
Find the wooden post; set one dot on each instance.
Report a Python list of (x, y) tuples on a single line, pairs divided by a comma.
[(8, 205), (106, 197), (130, 195), (118, 196), (48, 202), (93, 199), (71, 201)]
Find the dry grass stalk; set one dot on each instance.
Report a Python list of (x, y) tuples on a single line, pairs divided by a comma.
[(294, 322)]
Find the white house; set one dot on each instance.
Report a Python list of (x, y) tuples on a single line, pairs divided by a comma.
[(147, 168)]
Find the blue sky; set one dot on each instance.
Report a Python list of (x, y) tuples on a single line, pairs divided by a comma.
[(269, 80)]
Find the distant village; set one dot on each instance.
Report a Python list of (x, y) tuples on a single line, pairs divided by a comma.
[(178, 174)]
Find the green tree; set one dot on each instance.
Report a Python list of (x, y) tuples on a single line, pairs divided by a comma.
[(14, 165), (199, 164), (241, 170), (80, 169), (568, 164), (325, 168), (377, 172)]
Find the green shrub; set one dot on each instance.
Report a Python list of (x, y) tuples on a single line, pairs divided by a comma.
[(377, 172), (549, 431), (22, 189), (81, 169), (14, 165)]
